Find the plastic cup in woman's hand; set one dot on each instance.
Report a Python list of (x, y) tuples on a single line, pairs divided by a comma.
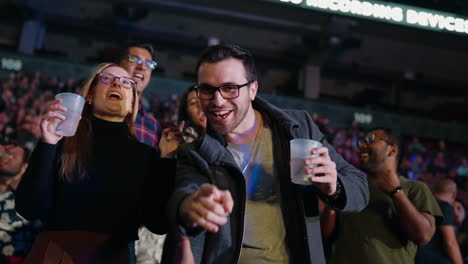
[(74, 104)]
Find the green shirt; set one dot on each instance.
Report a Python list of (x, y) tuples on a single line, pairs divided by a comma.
[(374, 235), (264, 232)]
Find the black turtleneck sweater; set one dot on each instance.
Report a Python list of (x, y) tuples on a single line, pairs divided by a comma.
[(127, 185)]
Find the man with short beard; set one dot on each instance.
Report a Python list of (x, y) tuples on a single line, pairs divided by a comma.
[(234, 196), (137, 60), (401, 214)]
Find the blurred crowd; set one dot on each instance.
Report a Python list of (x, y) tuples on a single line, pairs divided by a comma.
[(23, 100)]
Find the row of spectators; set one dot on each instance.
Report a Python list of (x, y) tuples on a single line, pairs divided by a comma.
[(24, 97)]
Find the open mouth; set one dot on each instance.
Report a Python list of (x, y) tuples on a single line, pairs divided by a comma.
[(138, 77), (116, 96), (221, 115)]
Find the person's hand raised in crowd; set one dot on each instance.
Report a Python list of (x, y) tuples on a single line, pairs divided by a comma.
[(170, 140), (49, 122), (324, 175), (190, 134), (387, 179), (207, 208)]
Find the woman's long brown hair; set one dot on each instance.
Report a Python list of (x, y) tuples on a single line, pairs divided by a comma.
[(76, 152)]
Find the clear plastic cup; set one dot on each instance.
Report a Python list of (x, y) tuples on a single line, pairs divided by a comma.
[(300, 150), (74, 104)]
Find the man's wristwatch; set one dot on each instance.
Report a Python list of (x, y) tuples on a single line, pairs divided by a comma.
[(395, 191), (338, 191)]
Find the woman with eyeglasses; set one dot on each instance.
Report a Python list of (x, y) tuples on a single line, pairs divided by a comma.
[(94, 189)]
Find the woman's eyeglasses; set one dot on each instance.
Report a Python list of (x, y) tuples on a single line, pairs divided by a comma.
[(109, 78)]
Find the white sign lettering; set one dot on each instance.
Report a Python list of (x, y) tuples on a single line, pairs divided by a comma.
[(12, 64), (389, 12)]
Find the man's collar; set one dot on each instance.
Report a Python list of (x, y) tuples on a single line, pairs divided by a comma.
[(273, 112)]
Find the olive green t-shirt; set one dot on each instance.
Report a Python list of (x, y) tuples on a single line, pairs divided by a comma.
[(374, 235), (264, 232)]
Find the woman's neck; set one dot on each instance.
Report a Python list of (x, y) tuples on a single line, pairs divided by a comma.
[(109, 118)]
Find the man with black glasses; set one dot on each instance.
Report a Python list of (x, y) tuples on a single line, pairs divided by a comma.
[(234, 194), (137, 60), (401, 214)]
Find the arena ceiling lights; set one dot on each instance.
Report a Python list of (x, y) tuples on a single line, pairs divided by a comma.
[(388, 12)]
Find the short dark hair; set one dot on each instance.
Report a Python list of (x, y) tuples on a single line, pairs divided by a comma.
[(220, 52), (26, 151), (123, 50), (394, 140), (393, 137)]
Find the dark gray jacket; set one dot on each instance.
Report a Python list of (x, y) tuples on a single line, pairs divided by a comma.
[(209, 161)]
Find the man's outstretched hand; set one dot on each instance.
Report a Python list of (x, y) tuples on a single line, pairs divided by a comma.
[(207, 208)]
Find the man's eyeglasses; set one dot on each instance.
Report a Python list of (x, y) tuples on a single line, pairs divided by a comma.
[(149, 63), (370, 138), (109, 78), (227, 91)]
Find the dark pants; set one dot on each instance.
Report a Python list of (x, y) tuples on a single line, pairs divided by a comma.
[(77, 247)]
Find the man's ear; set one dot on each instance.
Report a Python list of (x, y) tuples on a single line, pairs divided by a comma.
[(253, 87), (393, 152)]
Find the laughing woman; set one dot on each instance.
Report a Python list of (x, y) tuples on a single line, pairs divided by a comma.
[(94, 190)]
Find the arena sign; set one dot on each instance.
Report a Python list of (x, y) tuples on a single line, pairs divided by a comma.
[(388, 12), (11, 64)]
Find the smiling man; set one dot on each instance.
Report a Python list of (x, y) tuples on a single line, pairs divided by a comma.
[(234, 195), (137, 59), (401, 214)]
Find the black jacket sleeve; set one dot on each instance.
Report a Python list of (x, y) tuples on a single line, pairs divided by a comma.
[(33, 198), (187, 181)]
